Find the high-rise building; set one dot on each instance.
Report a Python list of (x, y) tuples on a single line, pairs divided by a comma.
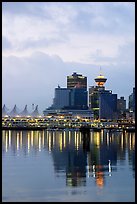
[(76, 80), (107, 105), (121, 108), (61, 98), (102, 102), (131, 104), (121, 104), (75, 98), (78, 98)]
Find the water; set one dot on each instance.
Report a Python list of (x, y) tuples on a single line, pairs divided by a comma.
[(62, 166)]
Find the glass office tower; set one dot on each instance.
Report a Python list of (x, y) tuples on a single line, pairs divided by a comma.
[(76, 81)]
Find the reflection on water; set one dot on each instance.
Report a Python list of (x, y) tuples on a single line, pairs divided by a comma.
[(75, 154)]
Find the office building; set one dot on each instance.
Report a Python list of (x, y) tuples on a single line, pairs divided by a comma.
[(121, 108), (62, 98), (78, 98), (102, 102), (131, 104), (73, 100), (65, 98), (76, 81), (121, 104)]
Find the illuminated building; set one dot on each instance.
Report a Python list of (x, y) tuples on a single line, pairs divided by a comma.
[(74, 97), (102, 102), (76, 80), (100, 80)]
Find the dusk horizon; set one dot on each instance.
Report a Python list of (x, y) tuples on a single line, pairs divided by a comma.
[(68, 101), (40, 50)]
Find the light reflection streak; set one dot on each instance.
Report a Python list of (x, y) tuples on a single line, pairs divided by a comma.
[(32, 135), (21, 139), (28, 142), (64, 140), (9, 138), (6, 142), (17, 141), (69, 136)]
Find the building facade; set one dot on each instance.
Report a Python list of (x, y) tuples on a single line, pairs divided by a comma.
[(121, 104), (76, 81), (131, 104), (102, 102), (62, 98), (74, 98), (78, 98)]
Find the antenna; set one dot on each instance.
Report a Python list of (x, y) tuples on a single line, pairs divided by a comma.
[(100, 71)]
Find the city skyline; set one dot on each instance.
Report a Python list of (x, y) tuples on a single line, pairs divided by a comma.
[(43, 42)]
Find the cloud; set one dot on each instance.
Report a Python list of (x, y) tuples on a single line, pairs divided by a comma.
[(27, 80), (5, 43), (63, 28), (43, 42), (125, 55)]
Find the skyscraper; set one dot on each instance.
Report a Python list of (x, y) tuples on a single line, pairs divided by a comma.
[(131, 104), (62, 98), (102, 102), (121, 104), (78, 98), (76, 80), (74, 98)]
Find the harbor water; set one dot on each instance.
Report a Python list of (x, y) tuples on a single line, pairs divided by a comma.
[(67, 165)]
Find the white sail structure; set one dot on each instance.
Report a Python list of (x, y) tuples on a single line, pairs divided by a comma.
[(14, 112), (35, 113), (4, 111), (25, 112)]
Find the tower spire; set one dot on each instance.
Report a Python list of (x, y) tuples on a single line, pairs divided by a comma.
[(100, 80)]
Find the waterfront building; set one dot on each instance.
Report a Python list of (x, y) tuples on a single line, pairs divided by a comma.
[(107, 105), (121, 104), (72, 99), (131, 104), (69, 113), (76, 80), (121, 108), (78, 98), (102, 102), (71, 102), (75, 98), (62, 98)]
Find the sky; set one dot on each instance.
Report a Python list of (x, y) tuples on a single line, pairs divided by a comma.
[(44, 42)]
